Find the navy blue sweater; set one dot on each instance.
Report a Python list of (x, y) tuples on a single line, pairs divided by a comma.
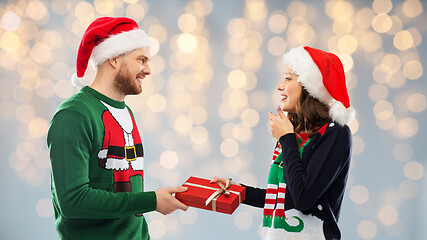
[(315, 183)]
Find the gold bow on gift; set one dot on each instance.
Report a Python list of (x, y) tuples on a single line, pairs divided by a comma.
[(219, 192)]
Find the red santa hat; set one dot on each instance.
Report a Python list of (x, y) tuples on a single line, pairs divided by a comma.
[(107, 37), (322, 75)]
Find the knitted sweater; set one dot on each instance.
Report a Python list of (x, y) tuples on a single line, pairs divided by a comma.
[(305, 186), (97, 170)]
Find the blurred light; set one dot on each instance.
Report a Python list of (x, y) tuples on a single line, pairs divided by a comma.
[(388, 215), (364, 17), (84, 11), (170, 177), (183, 124), (354, 126), (367, 229), (347, 44), (233, 165), (188, 217), (199, 135), (229, 147), (382, 6), (403, 152), (41, 159), (236, 79), (296, 9), (408, 127), (342, 26), (10, 21), (256, 10), (382, 23), (278, 22), (383, 110), (64, 88), (25, 113), (41, 53), (252, 60), (276, 46), (396, 229), (169, 159), (380, 76), (413, 170), (104, 7), (359, 194), (371, 41), (22, 95), (403, 40), (235, 97), (413, 70), (37, 127), (412, 8), (155, 46), (157, 229), (9, 41), (250, 117), (136, 11), (232, 59), (238, 27), (238, 44), (396, 26), (251, 81), (397, 80), (44, 207), (36, 10), (227, 130), (242, 133), (187, 22), (258, 99), (386, 124), (358, 145), (339, 9), (390, 63), (158, 32), (347, 61), (248, 178), (157, 103), (416, 35), (243, 220), (378, 92), (416, 102), (157, 64), (187, 42), (409, 189)]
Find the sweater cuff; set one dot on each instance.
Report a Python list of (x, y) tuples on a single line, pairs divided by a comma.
[(144, 202), (288, 141)]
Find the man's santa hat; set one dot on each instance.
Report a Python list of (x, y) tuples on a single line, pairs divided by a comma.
[(107, 37), (322, 75)]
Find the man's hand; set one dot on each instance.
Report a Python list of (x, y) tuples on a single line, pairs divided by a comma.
[(279, 125), (166, 203)]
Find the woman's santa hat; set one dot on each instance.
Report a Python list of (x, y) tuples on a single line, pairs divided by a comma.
[(322, 75), (107, 37)]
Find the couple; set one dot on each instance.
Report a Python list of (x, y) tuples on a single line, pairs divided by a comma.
[(97, 155)]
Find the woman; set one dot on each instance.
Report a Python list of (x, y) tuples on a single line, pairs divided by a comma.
[(311, 160)]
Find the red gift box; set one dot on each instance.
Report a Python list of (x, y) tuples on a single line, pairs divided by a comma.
[(200, 190)]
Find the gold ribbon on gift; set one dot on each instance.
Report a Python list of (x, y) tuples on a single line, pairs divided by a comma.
[(217, 193)]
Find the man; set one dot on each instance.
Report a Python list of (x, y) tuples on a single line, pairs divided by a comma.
[(95, 148)]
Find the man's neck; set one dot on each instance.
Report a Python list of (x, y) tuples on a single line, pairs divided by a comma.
[(106, 87)]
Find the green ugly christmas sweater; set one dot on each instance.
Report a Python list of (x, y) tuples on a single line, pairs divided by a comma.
[(97, 162)]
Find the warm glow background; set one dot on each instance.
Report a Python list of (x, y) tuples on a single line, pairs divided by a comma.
[(203, 112)]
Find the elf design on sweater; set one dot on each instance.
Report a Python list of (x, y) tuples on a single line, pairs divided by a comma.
[(121, 148), (277, 222)]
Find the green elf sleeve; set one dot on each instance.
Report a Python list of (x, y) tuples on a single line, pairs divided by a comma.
[(70, 144)]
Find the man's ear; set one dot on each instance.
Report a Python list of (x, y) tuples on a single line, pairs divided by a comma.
[(114, 62)]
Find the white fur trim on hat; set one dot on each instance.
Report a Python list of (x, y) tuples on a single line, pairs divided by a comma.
[(119, 44), (339, 113)]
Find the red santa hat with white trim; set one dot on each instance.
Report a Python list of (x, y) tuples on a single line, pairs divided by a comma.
[(322, 75), (107, 37)]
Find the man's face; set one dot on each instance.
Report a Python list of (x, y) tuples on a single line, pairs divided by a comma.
[(132, 70)]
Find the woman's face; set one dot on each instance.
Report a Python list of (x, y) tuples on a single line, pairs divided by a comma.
[(290, 91)]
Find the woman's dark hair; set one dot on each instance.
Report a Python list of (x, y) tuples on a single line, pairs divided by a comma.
[(310, 114)]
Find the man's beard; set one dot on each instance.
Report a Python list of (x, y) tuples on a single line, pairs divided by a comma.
[(125, 83)]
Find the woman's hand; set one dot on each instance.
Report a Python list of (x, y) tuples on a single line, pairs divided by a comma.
[(223, 180), (279, 125)]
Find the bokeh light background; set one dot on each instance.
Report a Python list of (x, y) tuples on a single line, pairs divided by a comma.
[(203, 112)]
